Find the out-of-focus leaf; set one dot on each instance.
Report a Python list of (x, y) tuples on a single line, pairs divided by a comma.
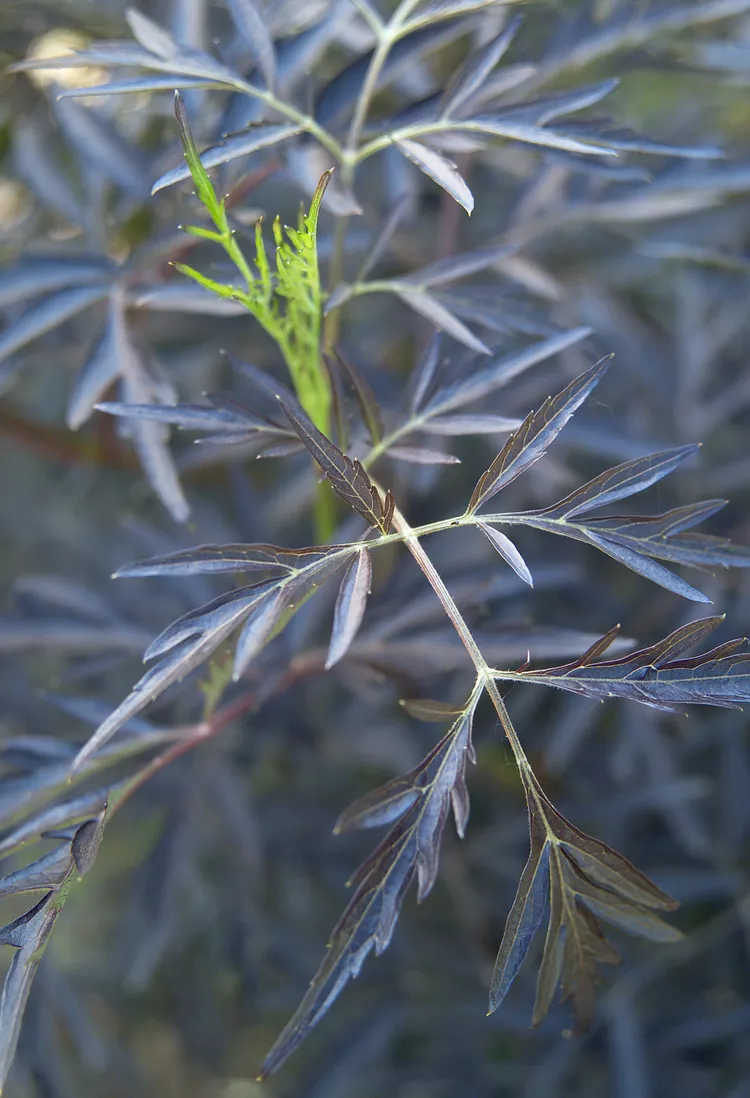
[(430, 308), (156, 49), (230, 419), (427, 709), (62, 635), (526, 445), (541, 111), (174, 56), (628, 141), (383, 237), (441, 170), (124, 53), (477, 383), (459, 266), (151, 36), (101, 368), (141, 84), (637, 28), (434, 10), (102, 147), (341, 92), (469, 78), (470, 425), (185, 298), (149, 439), (33, 277), (252, 27), (48, 314), (420, 455), (366, 399), (64, 594), (36, 163), (350, 606)]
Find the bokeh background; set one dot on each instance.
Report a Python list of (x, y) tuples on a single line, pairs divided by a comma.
[(173, 968)]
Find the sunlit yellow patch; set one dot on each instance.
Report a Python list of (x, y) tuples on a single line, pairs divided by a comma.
[(61, 42)]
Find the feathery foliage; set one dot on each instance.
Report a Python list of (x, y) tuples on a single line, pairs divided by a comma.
[(403, 332)]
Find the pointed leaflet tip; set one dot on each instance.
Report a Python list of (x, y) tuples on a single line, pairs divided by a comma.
[(529, 442)]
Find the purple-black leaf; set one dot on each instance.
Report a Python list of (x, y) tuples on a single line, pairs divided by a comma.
[(32, 277), (101, 368), (45, 874), (419, 804), (469, 425), (469, 78), (458, 266), (621, 481), (346, 476), (48, 314), (508, 552), (350, 606), (264, 617), (28, 935), (524, 919), (420, 455), (86, 842), (251, 26), (645, 567), (526, 445), (231, 148), (444, 320), (482, 379), (576, 879), (440, 169), (657, 675), (366, 399), (227, 558)]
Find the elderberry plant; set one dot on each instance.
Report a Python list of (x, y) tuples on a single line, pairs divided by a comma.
[(238, 640)]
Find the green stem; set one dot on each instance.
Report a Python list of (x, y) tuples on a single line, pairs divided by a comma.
[(306, 121), (387, 38), (324, 513), (332, 322)]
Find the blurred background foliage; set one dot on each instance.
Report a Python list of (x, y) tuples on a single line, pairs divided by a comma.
[(173, 968)]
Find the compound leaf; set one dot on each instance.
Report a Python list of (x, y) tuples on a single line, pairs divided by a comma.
[(657, 675), (419, 804), (526, 445)]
